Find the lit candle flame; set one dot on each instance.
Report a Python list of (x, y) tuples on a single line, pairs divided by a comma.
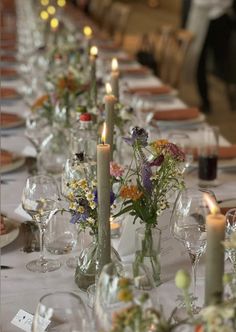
[(54, 23), (93, 51), (87, 31), (104, 131), (61, 3), (213, 206), (51, 10), (44, 15), (114, 64), (44, 2), (108, 88)]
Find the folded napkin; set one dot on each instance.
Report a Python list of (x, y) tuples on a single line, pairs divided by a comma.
[(120, 58), (8, 72), (6, 157), (153, 90), (134, 71), (224, 152), (10, 119), (7, 58), (8, 93), (9, 47), (175, 114)]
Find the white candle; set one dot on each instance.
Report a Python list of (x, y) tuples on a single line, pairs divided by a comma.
[(103, 187), (115, 77), (215, 227), (110, 101), (88, 32), (93, 83)]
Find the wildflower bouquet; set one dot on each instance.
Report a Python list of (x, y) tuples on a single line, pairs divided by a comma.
[(83, 204), (155, 172)]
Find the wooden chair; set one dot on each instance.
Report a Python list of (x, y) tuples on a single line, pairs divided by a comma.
[(171, 48), (98, 9), (116, 20)]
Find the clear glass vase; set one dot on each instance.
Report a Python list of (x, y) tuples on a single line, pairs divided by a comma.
[(148, 246), (85, 273)]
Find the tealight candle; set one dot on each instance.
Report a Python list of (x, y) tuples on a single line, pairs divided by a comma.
[(115, 226), (115, 77), (215, 227), (110, 101), (103, 187)]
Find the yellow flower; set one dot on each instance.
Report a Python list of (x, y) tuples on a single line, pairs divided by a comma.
[(130, 192), (90, 220), (125, 295), (71, 196), (124, 282), (92, 205), (74, 184), (83, 183), (72, 206), (80, 209), (90, 196)]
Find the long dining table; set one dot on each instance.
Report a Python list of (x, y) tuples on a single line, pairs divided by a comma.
[(22, 289)]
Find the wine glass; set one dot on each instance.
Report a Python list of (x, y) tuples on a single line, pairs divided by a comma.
[(63, 312), (107, 301), (182, 140), (231, 228), (187, 225), (39, 200)]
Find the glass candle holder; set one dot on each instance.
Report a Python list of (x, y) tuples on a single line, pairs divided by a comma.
[(115, 225)]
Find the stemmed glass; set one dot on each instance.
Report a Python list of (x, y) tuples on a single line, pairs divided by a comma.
[(107, 288), (183, 141), (36, 131), (39, 200), (63, 312), (187, 225), (231, 228)]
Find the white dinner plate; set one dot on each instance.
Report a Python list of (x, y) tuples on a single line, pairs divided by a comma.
[(12, 228), (16, 163), (182, 123)]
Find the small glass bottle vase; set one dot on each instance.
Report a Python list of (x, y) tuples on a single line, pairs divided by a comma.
[(85, 273), (148, 246)]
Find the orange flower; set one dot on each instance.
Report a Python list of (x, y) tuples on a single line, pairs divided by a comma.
[(199, 328), (131, 192), (39, 102), (159, 144), (68, 83)]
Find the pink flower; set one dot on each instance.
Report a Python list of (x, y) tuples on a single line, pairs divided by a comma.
[(116, 170)]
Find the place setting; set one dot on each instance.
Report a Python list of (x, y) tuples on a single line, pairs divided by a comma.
[(119, 208)]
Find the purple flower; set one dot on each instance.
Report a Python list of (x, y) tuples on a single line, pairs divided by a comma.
[(79, 217), (157, 161), (146, 177), (112, 197), (138, 136), (175, 151)]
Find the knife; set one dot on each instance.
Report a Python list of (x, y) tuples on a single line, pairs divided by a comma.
[(5, 267)]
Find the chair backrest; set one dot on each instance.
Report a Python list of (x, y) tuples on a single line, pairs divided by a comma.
[(170, 51), (98, 8), (116, 21)]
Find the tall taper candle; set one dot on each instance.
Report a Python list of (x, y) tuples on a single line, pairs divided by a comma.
[(110, 101), (115, 78), (93, 83), (103, 187), (215, 227)]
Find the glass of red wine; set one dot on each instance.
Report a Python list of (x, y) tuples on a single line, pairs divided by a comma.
[(208, 156)]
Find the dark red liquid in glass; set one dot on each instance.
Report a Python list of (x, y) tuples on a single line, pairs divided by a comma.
[(207, 167)]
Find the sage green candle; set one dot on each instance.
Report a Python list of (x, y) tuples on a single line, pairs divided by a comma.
[(115, 78), (110, 101), (103, 188), (215, 227)]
